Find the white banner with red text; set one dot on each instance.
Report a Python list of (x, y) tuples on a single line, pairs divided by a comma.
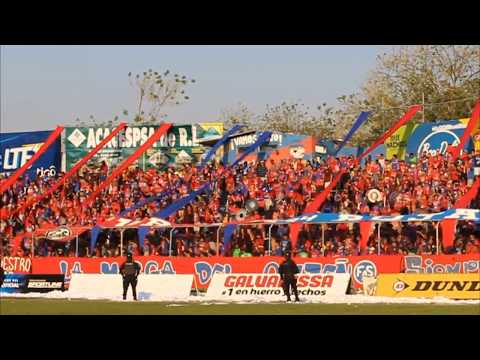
[(268, 287)]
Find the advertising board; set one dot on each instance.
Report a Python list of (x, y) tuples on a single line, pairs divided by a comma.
[(17, 148), (453, 286), (267, 287)]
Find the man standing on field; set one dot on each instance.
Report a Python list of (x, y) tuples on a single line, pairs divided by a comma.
[(287, 271), (130, 270), (2, 275)]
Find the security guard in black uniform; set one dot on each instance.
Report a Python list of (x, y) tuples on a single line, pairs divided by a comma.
[(2, 275), (129, 270), (287, 271)]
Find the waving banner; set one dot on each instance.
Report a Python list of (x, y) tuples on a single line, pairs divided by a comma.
[(164, 213), (219, 143), (51, 139), (334, 218), (263, 138), (74, 169), (314, 205), (177, 205), (207, 157), (402, 121), (360, 120), (472, 124), (156, 135), (449, 225)]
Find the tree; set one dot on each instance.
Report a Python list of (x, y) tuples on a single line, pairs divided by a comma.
[(239, 114), (299, 119), (156, 92), (446, 78), (287, 117)]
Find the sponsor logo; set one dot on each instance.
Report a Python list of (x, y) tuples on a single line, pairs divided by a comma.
[(76, 138), (364, 268), (400, 285), (43, 284), (250, 139), (297, 152), (447, 286), (417, 264), (437, 142), (272, 281), (48, 172), (454, 286), (59, 233), (15, 158)]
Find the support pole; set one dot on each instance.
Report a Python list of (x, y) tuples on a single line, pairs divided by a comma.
[(121, 241), (76, 246), (218, 239), (171, 240), (323, 239), (436, 235), (378, 238), (270, 240)]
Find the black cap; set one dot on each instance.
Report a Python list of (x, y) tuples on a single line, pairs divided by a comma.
[(129, 256), (288, 253)]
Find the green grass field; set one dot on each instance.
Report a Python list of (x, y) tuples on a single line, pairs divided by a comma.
[(98, 307)]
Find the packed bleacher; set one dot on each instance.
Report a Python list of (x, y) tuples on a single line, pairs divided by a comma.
[(281, 190)]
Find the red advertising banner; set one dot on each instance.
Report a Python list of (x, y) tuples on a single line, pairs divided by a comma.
[(204, 268)]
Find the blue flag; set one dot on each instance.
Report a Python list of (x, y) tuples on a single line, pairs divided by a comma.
[(219, 143), (177, 205), (360, 120), (208, 156), (143, 202), (263, 138), (142, 232), (93, 239), (227, 236)]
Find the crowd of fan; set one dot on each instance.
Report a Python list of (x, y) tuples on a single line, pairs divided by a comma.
[(281, 189)]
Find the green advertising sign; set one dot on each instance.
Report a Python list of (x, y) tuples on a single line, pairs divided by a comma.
[(397, 143), (180, 145)]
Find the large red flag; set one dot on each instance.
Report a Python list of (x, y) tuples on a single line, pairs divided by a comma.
[(75, 168), (449, 225), (11, 180), (365, 232), (320, 198), (313, 206), (402, 121), (472, 123), (155, 136)]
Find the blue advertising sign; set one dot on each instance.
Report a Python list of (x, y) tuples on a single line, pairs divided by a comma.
[(17, 148), (434, 138)]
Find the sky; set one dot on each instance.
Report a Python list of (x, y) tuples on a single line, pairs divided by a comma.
[(44, 86)]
